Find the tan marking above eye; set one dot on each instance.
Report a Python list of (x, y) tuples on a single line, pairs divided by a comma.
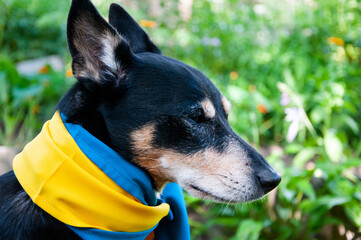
[(226, 105), (208, 108)]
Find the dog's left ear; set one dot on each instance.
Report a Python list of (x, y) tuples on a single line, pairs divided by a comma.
[(130, 30), (100, 55)]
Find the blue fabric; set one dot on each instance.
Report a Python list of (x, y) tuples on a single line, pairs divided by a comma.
[(136, 182), (131, 178), (175, 225), (96, 234)]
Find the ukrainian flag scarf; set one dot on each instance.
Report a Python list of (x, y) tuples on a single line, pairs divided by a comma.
[(85, 184)]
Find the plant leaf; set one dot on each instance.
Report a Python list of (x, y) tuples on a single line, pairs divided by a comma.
[(304, 156), (333, 146)]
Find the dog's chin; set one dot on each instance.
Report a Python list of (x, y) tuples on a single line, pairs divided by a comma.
[(235, 197)]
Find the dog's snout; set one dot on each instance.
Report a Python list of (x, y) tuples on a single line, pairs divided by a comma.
[(268, 179)]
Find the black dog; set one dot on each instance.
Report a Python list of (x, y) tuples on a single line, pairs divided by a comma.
[(156, 112)]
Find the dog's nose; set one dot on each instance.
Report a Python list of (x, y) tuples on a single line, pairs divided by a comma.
[(268, 179)]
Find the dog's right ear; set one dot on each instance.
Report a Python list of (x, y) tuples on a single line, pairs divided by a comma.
[(100, 55), (130, 30)]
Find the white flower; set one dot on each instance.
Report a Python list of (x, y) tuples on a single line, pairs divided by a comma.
[(215, 42), (285, 99), (293, 115), (259, 9)]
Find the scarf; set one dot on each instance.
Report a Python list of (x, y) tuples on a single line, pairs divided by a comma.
[(83, 183)]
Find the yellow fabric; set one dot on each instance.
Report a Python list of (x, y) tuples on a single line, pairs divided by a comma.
[(61, 180)]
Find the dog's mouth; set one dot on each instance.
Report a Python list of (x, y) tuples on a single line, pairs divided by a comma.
[(208, 195), (230, 197)]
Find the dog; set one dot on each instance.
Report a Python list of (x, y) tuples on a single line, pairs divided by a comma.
[(161, 115)]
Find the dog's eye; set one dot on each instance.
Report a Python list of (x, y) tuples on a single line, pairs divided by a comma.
[(197, 116)]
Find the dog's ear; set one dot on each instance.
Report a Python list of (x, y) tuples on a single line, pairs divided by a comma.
[(100, 55), (129, 29)]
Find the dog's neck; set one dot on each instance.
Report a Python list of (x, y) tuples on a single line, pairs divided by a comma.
[(80, 107)]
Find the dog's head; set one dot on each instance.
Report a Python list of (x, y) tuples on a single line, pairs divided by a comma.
[(157, 112)]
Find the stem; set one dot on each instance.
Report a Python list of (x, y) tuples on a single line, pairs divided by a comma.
[(3, 13), (255, 131)]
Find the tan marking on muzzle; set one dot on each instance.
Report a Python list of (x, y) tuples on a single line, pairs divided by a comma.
[(226, 105), (208, 107), (167, 165), (207, 161)]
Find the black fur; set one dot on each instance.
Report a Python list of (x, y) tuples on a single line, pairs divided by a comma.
[(21, 219), (127, 27), (145, 87)]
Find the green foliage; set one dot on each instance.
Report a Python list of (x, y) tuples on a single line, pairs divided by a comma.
[(27, 101), (309, 51), (30, 29), (256, 53)]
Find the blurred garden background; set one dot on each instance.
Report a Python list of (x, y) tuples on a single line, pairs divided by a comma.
[(291, 68)]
